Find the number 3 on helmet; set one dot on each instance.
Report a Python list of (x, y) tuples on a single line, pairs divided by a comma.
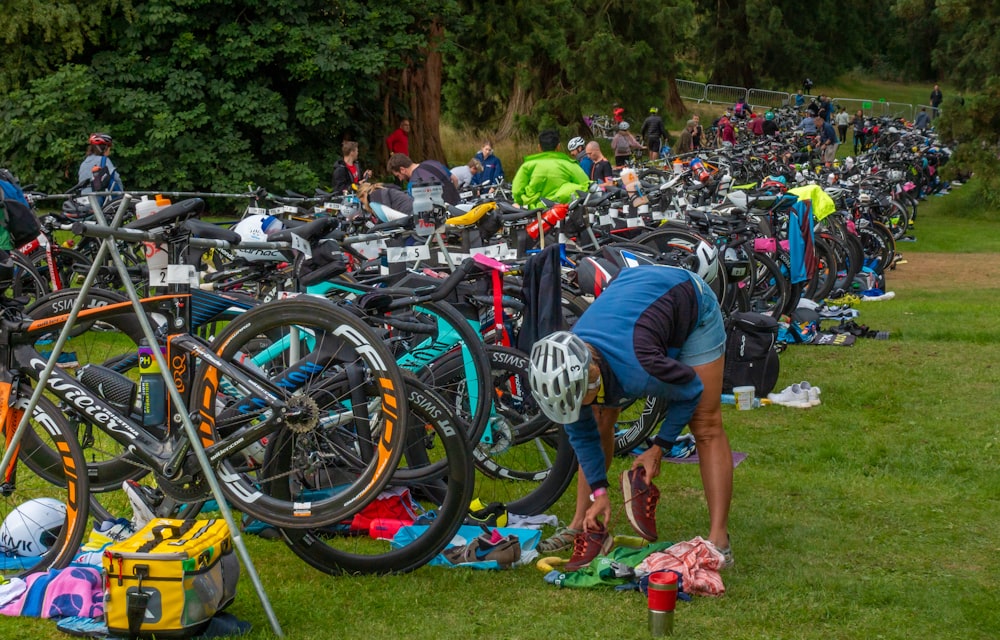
[(558, 375)]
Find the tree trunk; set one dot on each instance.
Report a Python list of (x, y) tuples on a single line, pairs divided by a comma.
[(520, 102), (425, 99), (675, 106)]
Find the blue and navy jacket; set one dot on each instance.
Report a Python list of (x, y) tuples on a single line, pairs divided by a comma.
[(638, 325), (492, 170)]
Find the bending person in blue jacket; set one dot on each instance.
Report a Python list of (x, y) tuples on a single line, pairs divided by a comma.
[(655, 331), (492, 173)]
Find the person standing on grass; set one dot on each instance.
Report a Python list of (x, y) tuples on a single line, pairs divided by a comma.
[(698, 134), (97, 168), (347, 174), (923, 120), (654, 331), (843, 119), (828, 141), (399, 140), (653, 132), (623, 143), (936, 98), (685, 142), (858, 124)]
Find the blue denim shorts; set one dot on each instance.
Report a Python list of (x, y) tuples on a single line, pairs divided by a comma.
[(707, 342)]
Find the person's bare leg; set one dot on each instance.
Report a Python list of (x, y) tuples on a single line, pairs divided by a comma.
[(714, 453)]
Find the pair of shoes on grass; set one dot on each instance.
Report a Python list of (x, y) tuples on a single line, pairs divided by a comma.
[(800, 395)]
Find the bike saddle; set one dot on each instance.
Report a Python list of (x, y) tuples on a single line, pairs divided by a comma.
[(190, 208)]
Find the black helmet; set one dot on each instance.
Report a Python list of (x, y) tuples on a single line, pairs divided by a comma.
[(593, 275)]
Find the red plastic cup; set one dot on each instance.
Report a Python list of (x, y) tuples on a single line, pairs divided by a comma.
[(662, 592)]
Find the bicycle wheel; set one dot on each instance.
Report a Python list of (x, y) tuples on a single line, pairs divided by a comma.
[(69, 264), (637, 422), (431, 331), (110, 342), (827, 267), (43, 495), (525, 461), (439, 479), (27, 284), (341, 430), (767, 290)]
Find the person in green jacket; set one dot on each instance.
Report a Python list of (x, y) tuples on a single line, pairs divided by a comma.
[(551, 174)]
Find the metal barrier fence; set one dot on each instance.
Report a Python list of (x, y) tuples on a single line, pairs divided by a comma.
[(764, 98), (690, 90), (725, 94), (719, 93)]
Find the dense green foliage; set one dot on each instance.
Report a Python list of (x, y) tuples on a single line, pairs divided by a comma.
[(217, 94)]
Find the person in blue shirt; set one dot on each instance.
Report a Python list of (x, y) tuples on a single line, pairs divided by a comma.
[(654, 331), (828, 141), (97, 169), (808, 125), (492, 172), (578, 151)]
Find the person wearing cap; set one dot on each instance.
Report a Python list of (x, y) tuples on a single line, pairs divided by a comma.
[(770, 127), (97, 170), (578, 151), (623, 143), (653, 132)]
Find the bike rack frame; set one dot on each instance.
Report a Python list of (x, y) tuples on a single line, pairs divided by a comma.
[(108, 246)]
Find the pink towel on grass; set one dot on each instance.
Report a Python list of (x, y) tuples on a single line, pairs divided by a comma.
[(698, 562)]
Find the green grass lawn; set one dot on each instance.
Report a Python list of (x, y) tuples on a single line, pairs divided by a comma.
[(873, 515)]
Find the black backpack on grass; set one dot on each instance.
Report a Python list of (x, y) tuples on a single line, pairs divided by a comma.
[(751, 353)]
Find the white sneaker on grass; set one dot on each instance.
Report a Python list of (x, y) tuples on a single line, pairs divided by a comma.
[(792, 396), (811, 392)]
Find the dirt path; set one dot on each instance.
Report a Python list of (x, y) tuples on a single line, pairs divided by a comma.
[(941, 271)]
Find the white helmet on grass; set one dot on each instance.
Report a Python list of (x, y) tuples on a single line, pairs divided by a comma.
[(32, 528), (558, 375)]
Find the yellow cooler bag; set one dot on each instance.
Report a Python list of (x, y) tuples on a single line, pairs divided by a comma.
[(170, 578)]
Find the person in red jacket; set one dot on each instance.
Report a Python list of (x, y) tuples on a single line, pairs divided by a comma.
[(399, 140)]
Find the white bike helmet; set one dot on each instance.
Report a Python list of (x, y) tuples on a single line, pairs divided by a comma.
[(575, 143), (708, 261), (623, 126), (254, 228), (558, 375), (33, 527)]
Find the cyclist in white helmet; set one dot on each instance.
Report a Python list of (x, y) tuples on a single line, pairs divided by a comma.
[(577, 150), (655, 331)]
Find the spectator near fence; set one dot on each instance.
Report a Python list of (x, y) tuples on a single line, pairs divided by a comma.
[(843, 119), (936, 98), (858, 123)]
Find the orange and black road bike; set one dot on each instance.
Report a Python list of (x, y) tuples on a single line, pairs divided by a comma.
[(298, 404)]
